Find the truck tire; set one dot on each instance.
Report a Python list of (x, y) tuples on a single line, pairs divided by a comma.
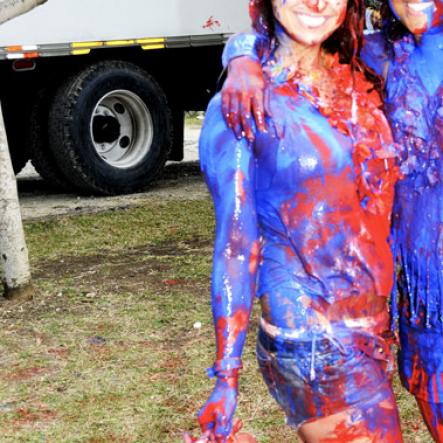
[(37, 140), (110, 128)]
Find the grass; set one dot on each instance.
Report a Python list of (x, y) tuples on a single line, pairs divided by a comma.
[(194, 118), (108, 351)]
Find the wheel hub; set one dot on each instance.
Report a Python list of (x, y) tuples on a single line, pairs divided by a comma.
[(122, 129), (105, 129)]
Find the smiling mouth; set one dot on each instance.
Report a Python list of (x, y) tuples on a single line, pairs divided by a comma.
[(418, 8), (312, 21)]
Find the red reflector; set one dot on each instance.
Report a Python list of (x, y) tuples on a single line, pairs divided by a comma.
[(23, 65), (31, 54)]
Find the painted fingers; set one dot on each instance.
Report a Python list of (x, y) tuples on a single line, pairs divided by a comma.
[(243, 97), (211, 437)]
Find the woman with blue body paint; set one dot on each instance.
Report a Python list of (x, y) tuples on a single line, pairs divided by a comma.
[(414, 102), (303, 224), (409, 54)]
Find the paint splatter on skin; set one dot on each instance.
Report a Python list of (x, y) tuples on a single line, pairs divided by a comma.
[(352, 425), (307, 217), (415, 110)]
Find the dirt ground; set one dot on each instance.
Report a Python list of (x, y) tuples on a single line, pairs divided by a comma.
[(179, 180)]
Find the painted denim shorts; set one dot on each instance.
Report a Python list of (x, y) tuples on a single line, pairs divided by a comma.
[(314, 379)]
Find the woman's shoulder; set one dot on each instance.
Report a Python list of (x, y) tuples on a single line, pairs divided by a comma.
[(218, 141)]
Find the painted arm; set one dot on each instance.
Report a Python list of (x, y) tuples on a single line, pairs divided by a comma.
[(244, 89), (228, 166)]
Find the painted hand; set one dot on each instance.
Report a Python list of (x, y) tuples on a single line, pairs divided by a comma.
[(243, 96), (235, 437), (218, 413)]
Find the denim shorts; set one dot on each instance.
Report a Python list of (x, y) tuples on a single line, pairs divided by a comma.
[(314, 379)]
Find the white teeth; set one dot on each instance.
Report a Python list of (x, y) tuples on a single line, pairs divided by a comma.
[(419, 7), (312, 21)]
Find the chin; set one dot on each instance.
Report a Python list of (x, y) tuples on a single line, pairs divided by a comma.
[(311, 39), (417, 27)]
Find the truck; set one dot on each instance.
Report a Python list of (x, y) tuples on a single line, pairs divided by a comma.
[(94, 92)]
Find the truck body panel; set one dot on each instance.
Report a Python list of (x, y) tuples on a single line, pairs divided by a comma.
[(66, 21)]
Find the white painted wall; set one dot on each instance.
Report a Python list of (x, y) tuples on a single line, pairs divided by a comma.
[(64, 21)]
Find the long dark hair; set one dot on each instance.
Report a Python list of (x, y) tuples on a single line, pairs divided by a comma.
[(393, 29), (347, 40)]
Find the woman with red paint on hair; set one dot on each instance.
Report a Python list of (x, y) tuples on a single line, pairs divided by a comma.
[(303, 224)]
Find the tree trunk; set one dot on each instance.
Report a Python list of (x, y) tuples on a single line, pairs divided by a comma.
[(12, 8), (15, 272), (14, 261)]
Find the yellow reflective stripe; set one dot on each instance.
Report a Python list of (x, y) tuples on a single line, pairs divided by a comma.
[(86, 44), (119, 42), (80, 51), (148, 41), (147, 47), (84, 48)]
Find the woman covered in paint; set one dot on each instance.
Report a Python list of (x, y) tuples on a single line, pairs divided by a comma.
[(414, 102), (303, 224), (409, 53)]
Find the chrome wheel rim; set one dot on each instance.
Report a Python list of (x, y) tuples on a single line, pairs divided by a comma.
[(121, 129)]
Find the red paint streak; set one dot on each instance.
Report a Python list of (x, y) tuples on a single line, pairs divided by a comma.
[(228, 330), (287, 90), (26, 374), (433, 422), (254, 257), (174, 282), (240, 178), (26, 416), (438, 14), (212, 23)]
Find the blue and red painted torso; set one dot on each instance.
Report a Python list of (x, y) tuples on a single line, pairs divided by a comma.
[(325, 258)]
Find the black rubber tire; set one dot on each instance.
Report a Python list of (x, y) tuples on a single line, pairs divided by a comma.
[(69, 128), (37, 139)]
